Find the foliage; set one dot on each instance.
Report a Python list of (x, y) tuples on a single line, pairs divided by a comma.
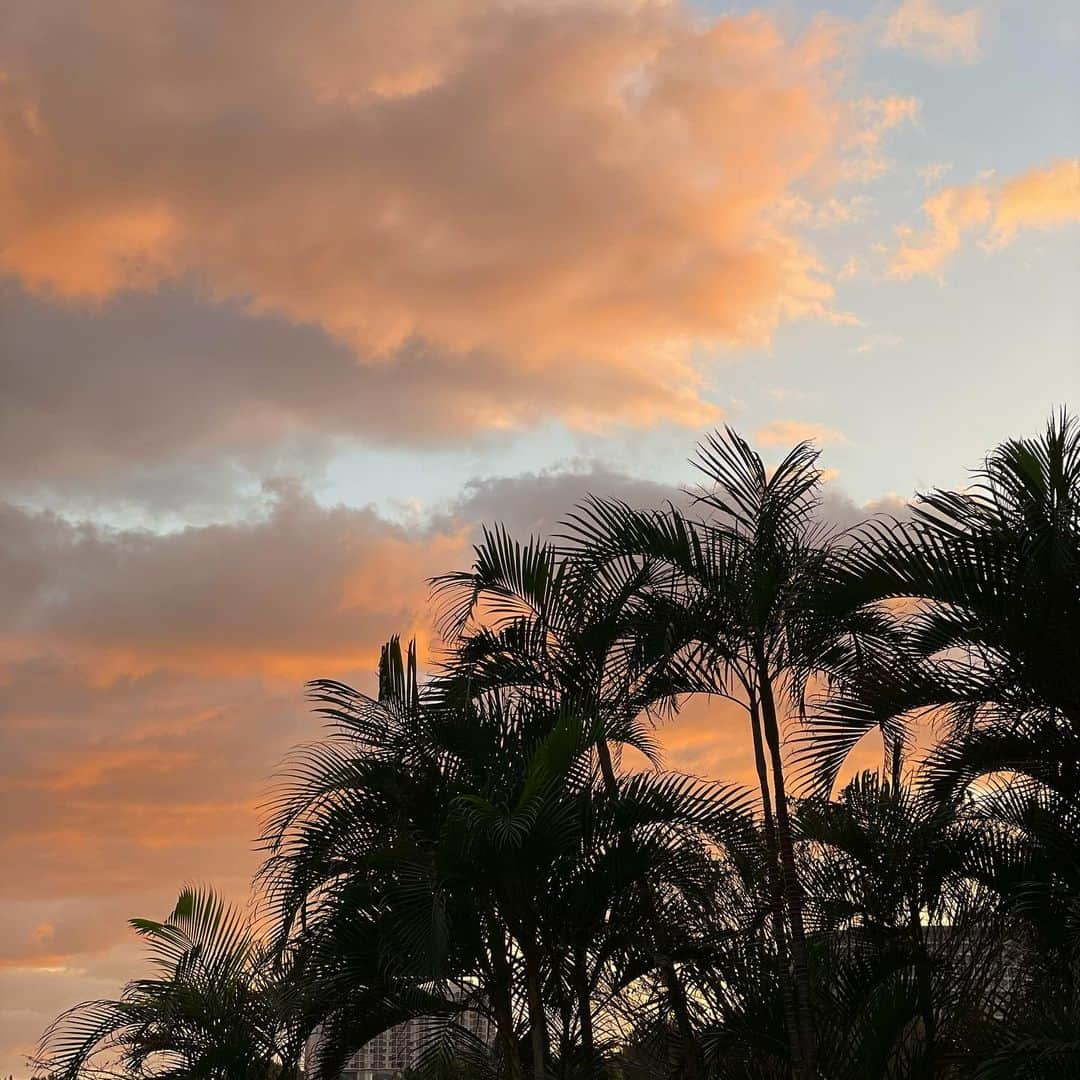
[(219, 1006), (473, 847)]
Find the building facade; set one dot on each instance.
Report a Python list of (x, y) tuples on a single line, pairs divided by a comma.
[(399, 1048)]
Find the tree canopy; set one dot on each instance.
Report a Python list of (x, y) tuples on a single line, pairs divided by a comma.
[(470, 840)]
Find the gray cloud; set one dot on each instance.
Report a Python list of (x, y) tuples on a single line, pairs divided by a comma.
[(162, 398), (538, 503)]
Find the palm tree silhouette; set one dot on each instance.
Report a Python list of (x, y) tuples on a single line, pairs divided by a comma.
[(220, 1006)]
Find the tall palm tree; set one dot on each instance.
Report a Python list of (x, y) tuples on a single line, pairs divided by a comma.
[(564, 629), (546, 624), (219, 1008), (739, 604)]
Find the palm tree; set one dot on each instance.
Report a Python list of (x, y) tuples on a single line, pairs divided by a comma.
[(993, 573), (544, 624), (218, 1009), (736, 604), (904, 898), (473, 842), (986, 586), (365, 875), (437, 842)]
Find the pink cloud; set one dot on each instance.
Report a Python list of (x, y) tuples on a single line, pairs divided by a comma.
[(953, 212), (785, 433), (546, 190), (1041, 198)]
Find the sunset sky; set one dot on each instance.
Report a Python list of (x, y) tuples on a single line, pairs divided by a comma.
[(293, 295)]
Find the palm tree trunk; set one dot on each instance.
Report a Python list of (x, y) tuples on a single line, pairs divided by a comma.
[(776, 894), (537, 1016), (792, 892), (581, 986), (504, 1017), (896, 756), (694, 1060), (566, 1040), (926, 990)]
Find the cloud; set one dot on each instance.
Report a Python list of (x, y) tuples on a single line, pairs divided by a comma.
[(1041, 198), (952, 211), (529, 192), (875, 118), (890, 111), (161, 400), (30, 997), (538, 503), (932, 173), (879, 341), (842, 512), (785, 433), (240, 597), (853, 267), (150, 684), (830, 213), (923, 28)]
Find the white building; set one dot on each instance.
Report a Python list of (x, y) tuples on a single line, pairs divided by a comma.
[(398, 1048)]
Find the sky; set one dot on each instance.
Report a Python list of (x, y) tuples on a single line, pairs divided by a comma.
[(294, 296)]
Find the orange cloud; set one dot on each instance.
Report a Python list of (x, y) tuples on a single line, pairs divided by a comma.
[(150, 686), (1041, 198), (547, 191), (95, 255), (922, 27), (231, 598), (93, 769), (786, 433), (873, 119), (953, 211), (254, 396)]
